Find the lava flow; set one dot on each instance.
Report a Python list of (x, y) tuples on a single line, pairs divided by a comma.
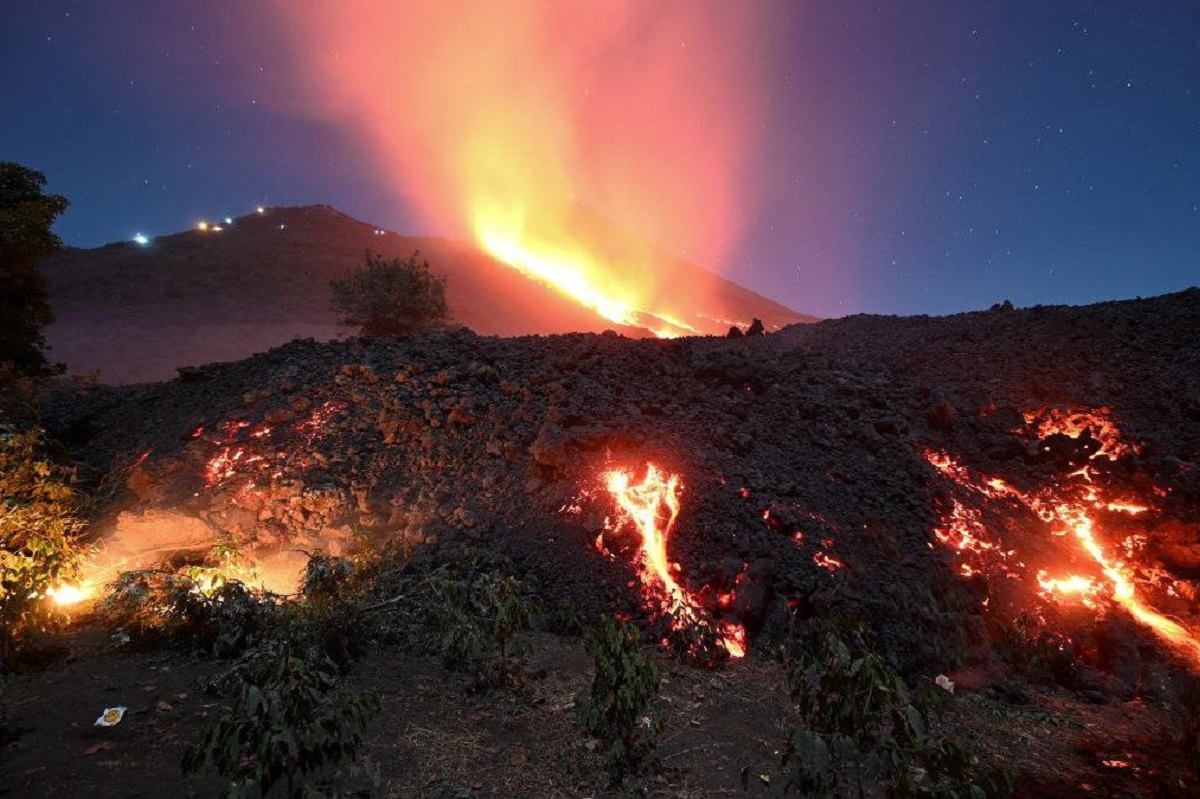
[(571, 270), (653, 506), (1071, 507)]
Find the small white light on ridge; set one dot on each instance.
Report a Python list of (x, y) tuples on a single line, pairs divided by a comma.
[(141, 239)]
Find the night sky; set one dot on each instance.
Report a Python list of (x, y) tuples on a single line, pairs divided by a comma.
[(910, 157)]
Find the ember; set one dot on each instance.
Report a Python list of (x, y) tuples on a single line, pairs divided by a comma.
[(1099, 424), (653, 506), (1069, 508), (237, 456)]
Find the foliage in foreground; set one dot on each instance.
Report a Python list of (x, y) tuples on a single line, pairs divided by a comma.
[(864, 734), (618, 708), (1036, 651), (26, 216), (41, 521), (467, 614), (388, 298), (193, 609), (291, 720)]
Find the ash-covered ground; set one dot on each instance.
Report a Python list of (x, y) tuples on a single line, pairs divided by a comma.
[(807, 488)]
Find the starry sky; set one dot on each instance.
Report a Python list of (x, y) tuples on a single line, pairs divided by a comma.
[(909, 157)]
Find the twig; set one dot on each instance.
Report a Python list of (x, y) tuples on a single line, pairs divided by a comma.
[(384, 603), (694, 748)]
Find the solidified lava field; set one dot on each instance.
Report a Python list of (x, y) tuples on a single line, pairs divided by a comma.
[(948, 481)]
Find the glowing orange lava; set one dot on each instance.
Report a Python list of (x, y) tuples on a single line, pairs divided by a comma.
[(244, 449), (1099, 423), (653, 506), (1069, 508), (542, 129)]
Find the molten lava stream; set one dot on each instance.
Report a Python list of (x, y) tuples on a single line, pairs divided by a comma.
[(644, 504), (574, 274), (1069, 505), (1121, 583)]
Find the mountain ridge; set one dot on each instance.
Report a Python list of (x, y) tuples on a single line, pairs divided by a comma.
[(137, 313)]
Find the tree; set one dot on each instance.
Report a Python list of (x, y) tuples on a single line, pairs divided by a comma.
[(26, 215), (389, 298)]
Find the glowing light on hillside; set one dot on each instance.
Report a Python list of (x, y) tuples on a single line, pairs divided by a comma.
[(574, 272), (141, 239)]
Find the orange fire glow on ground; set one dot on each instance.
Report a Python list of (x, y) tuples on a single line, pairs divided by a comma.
[(103, 567), (1072, 509), (652, 505), (245, 457)]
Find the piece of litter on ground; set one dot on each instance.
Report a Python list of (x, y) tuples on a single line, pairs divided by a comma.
[(945, 682), (111, 716)]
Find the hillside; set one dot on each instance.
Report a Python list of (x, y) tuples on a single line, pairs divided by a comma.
[(1010, 498), (137, 313)]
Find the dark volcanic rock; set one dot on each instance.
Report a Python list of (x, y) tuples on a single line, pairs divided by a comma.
[(800, 452)]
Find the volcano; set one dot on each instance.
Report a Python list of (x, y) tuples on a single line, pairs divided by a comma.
[(136, 313)]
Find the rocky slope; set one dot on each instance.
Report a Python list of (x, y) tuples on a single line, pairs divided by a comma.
[(136, 313), (804, 455)]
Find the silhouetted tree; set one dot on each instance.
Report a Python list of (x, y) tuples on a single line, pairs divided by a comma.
[(389, 298), (26, 215)]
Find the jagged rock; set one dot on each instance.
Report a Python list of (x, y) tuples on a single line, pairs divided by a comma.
[(941, 417), (192, 374), (827, 423)]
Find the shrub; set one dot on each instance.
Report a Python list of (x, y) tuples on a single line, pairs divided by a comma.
[(618, 708), (290, 720), (1036, 652), (196, 609), (41, 521), (862, 733), (466, 614), (471, 621), (26, 216), (394, 297), (330, 617), (502, 613)]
